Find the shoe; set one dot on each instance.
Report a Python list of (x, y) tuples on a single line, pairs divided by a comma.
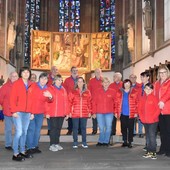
[(26, 155), (147, 155), (18, 158), (153, 155), (99, 144), (130, 145), (94, 132), (124, 144), (160, 153), (145, 149), (105, 144), (53, 148), (141, 135), (48, 132), (9, 148), (84, 146), (69, 132), (134, 135), (59, 147), (31, 151), (75, 146)]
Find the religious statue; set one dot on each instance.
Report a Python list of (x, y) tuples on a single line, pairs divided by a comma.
[(130, 37), (147, 16), (11, 35), (120, 46)]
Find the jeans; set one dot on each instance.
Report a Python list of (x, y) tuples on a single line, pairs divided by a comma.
[(70, 124), (8, 130), (48, 124), (83, 124), (21, 124), (105, 127), (127, 126), (34, 129), (150, 131), (140, 126), (56, 125)]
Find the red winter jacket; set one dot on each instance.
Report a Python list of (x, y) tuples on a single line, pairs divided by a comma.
[(80, 103), (104, 101), (94, 84), (20, 99), (148, 109), (133, 102), (58, 107), (38, 99), (69, 84), (162, 92), (5, 91), (116, 86)]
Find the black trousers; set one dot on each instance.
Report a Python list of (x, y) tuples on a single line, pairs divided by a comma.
[(127, 126), (164, 125), (55, 125), (114, 122), (94, 121)]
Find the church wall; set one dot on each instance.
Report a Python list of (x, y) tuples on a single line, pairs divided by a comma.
[(159, 57)]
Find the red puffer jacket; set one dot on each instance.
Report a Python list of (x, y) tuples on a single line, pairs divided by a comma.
[(20, 98), (148, 109), (5, 91), (104, 101), (162, 92), (58, 107), (80, 103), (133, 102)]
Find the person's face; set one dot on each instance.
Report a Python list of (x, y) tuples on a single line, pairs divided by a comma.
[(74, 72), (58, 82), (33, 78), (97, 73), (14, 77), (163, 74), (127, 85), (43, 81), (116, 78), (25, 74), (54, 71), (148, 90), (133, 79), (106, 84), (80, 83), (144, 79)]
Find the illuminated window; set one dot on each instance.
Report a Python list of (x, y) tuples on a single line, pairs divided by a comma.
[(32, 21), (107, 21), (69, 16)]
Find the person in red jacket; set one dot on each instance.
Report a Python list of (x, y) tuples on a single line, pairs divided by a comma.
[(57, 110), (162, 92), (126, 109), (104, 108), (93, 85), (40, 94), (5, 92), (116, 85), (54, 71), (69, 85), (149, 115), (20, 104), (80, 110)]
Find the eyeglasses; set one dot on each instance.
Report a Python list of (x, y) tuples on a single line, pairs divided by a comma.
[(162, 72)]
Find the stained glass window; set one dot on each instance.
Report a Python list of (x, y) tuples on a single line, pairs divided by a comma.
[(69, 16), (107, 22), (32, 21)]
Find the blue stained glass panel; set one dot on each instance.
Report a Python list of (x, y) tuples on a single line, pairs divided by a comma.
[(107, 22)]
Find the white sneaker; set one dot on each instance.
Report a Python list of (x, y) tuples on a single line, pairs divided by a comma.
[(84, 146), (59, 147), (75, 146), (53, 148)]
